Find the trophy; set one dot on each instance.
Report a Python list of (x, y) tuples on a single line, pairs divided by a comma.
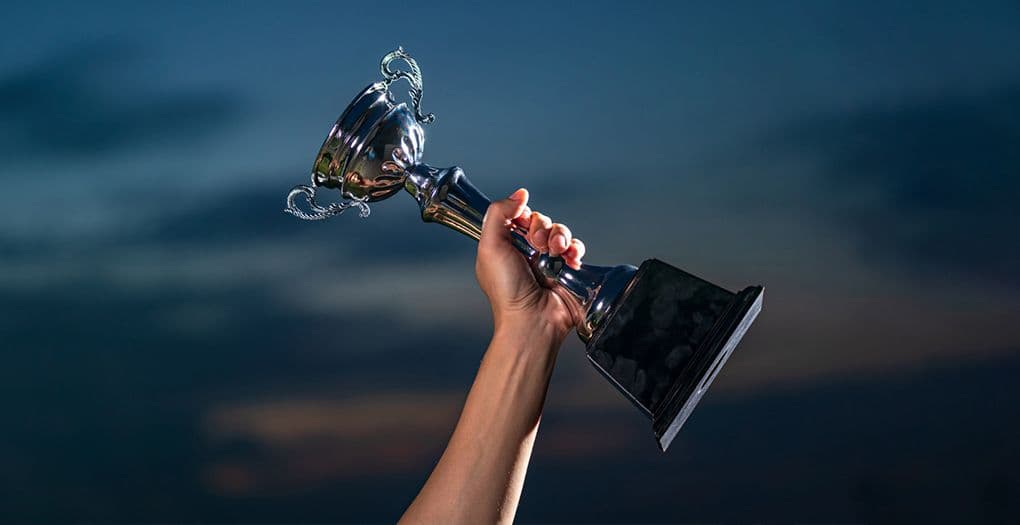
[(657, 333)]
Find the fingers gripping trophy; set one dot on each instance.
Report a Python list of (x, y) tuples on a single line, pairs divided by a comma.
[(659, 334)]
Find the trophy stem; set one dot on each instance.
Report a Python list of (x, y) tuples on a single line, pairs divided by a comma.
[(446, 196)]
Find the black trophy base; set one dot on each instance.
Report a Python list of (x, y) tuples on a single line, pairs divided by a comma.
[(668, 338)]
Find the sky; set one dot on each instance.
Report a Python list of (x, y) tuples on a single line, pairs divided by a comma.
[(176, 348)]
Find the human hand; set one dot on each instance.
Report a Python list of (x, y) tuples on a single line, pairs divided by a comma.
[(518, 300)]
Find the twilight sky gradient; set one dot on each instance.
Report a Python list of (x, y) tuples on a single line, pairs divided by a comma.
[(175, 348)]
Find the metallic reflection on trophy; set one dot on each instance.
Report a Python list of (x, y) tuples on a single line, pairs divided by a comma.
[(659, 334)]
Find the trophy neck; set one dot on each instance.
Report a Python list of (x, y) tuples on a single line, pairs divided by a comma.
[(447, 196)]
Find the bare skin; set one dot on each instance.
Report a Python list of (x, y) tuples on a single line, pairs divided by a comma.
[(480, 475)]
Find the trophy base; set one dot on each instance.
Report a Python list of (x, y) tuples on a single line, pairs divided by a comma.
[(668, 338)]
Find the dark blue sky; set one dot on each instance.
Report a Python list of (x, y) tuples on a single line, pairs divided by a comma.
[(177, 349)]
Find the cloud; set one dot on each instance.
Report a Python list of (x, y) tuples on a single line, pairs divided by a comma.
[(305, 441), (394, 231), (94, 99), (928, 185), (290, 442)]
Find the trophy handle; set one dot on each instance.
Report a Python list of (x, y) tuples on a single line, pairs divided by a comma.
[(318, 212), (413, 77), (447, 196)]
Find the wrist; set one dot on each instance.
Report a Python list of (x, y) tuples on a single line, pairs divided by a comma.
[(538, 332)]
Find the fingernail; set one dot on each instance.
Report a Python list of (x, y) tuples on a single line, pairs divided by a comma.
[(560, 241), (518, 195)]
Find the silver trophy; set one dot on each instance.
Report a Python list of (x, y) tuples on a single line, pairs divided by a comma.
[(659, 334)]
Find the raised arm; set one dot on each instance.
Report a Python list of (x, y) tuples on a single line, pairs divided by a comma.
[(480, 475)]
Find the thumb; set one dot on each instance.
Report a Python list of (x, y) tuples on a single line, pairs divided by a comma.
[(500, 214)]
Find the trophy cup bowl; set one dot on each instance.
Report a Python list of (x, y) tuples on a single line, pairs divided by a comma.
[(659, 334), (371, 146)]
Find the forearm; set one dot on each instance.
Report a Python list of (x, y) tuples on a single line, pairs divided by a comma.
[(480, 475)]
